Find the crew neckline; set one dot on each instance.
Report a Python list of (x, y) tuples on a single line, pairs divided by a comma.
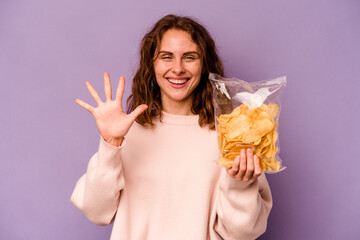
[(179, 119)]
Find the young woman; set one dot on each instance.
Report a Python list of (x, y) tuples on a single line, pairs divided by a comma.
[(155, 173)]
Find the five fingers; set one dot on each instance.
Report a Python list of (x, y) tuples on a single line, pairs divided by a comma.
[(107, 89), (246, 166), (108, 96)]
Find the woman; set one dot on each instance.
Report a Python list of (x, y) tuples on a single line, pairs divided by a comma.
[(157, 178)]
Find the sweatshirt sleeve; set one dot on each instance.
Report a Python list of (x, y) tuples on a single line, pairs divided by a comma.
[(97, 192), (241, 209)]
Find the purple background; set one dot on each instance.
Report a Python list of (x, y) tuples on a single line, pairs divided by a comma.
[(48, 49)]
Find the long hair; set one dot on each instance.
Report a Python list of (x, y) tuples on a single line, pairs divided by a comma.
[(145, 89)]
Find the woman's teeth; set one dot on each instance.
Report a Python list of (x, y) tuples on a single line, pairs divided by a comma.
[(178, 81)]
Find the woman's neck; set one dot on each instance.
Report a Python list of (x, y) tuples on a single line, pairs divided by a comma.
[(177, 108)]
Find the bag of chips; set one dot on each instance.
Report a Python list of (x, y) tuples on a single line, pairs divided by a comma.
[(247, 116)]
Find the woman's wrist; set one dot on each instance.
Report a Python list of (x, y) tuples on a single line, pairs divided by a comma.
[(114, 141)]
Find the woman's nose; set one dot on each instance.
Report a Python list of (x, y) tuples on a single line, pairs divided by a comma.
[(178, 67)]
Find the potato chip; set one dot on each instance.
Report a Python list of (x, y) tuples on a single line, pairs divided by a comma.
[(249, 128), (274, 109)]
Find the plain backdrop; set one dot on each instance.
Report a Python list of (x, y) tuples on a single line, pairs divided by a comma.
[(48, 49)]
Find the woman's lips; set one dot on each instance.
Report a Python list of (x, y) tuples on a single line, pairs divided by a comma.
[(178, 82)]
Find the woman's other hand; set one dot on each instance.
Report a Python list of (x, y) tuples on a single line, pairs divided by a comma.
[(246, 166), (113, 123)]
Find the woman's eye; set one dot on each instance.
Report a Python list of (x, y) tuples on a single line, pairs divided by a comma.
[(166, 57), (189, 58)]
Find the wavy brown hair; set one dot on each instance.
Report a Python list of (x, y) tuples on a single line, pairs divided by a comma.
[(145, 88)]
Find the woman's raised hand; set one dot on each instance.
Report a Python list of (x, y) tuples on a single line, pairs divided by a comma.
[(113, 123)]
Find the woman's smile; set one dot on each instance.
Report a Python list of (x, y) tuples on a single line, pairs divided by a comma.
[(178, 81)]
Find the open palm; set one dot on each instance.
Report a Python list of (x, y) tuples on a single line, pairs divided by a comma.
[(113, 123)]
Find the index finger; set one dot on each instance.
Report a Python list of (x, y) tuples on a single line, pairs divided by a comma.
[(93, 92), (235, 167)]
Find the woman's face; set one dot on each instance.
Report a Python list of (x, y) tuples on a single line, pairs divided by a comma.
[(177, 70)]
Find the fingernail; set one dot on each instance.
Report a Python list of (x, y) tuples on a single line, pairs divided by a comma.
[(243, 151), (249, 150)]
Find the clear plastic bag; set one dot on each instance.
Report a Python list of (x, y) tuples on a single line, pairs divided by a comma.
[(246, 116)]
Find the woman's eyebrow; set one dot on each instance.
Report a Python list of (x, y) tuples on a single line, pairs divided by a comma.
[(165, 52), (192, 52)]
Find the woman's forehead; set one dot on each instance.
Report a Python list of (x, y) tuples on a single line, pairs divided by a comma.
[(175, 40)]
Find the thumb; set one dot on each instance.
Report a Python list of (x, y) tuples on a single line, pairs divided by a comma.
[(141, 108)]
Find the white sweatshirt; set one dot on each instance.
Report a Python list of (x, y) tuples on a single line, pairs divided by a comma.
[(164, 183)]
